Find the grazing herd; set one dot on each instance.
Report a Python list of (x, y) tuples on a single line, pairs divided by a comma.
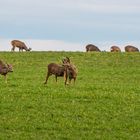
[(89, 48), (66, 70), (128, 48)]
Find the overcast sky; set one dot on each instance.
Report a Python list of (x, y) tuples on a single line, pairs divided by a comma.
[(72, 21)]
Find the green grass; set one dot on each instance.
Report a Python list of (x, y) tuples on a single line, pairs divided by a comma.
[(104, 103)]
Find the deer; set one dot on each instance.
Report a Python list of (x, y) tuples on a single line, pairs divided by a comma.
[(130, 48), (72, 71), (91, 47), (5, 69), (19, 44), (65, 70), (115, 49)]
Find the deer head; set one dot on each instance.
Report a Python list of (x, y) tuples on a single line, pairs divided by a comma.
[(66, 60), (10, 68)]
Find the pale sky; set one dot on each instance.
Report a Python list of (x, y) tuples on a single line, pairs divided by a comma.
[(70, 23)]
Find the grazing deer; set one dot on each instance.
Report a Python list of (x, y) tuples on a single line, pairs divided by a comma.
[(130, 48), (115, 49), (91, 47), (20, 45), (4, 69)]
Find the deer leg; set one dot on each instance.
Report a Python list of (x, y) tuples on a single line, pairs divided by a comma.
[(65, 76), (13, 48), (74, 79), (48, 74), (69, 80), (21, 50), (56, 78), (5, 78)]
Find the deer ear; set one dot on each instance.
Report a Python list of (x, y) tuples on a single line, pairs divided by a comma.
[(68, 59), (62, 60)]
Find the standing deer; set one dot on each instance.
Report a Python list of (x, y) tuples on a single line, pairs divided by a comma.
[(72, 71), (58, 71), (4, 69), (65, 70), (20, 45)]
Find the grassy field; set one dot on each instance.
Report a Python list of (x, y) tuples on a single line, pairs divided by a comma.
[(104, 103)]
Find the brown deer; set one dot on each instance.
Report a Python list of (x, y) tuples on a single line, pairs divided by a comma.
[(65, 70), (72, 71), (130, 48), (20, 45), (91, 47), (5, 69), (115, 49)]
